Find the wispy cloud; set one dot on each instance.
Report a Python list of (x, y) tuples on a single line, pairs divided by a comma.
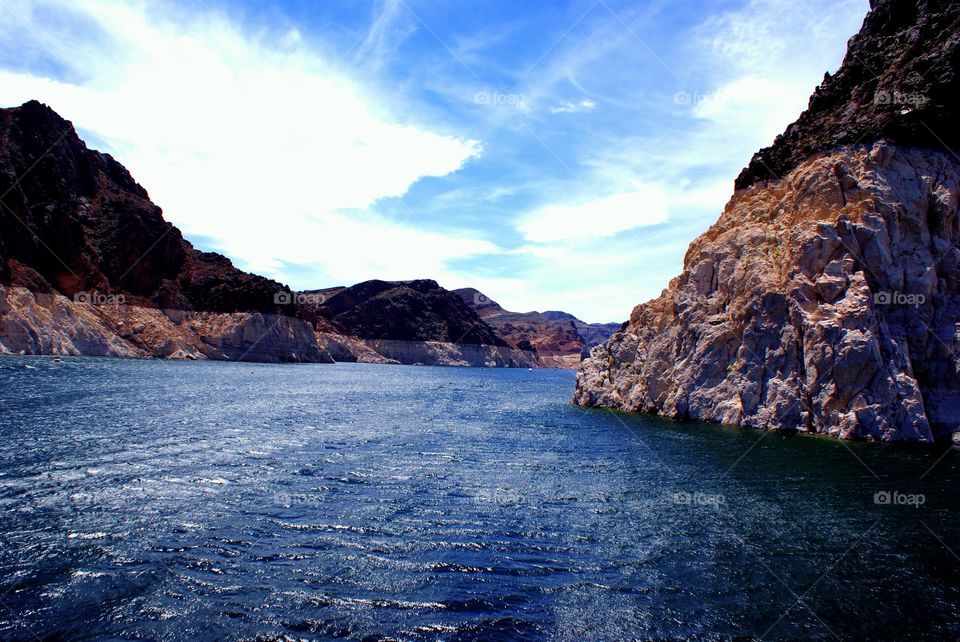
[(599, 218), (571, 108)]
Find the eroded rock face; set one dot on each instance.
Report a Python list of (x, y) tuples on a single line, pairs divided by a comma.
[(439, 353), (824, 299), (36, 323), (418, 310), (826, 302)]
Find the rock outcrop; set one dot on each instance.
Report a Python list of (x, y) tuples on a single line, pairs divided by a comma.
[(417, 310), (899, 82), (559, 339), (39, 323), (413, 322), (74, 221), (591, 334), (827, 300)]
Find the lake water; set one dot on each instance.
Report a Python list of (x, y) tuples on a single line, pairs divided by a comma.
[(172, 501)]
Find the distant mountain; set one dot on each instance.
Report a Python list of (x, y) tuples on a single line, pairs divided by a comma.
[(559, 338), (417, 310), (593, 334)]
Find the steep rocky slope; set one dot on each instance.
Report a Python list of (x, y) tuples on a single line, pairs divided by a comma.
[(826, 300), (560, 339), (406, 310), (89, 266), (74, 220), (898, 82)]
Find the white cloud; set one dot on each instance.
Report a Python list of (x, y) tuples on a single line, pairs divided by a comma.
[(256, 142), (645, 205), (766, 105), (570, 108), (761, 82)]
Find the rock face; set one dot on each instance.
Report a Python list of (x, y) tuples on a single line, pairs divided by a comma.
[(91, 267), (560, 340), (406, 311), (444, 353), (827, 301), (38, 323), (416, 322), (591, 334), (73, 220)]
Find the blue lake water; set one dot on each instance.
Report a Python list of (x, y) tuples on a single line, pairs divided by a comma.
[(173, 501)]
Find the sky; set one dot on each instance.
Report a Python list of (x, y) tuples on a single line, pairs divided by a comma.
[(556, 155)]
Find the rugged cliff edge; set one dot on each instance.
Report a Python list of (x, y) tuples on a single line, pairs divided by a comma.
[(827, 300)]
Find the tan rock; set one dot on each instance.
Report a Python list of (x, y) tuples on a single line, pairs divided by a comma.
[(812, 304)]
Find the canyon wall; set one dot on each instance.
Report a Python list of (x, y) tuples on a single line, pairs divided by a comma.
[(826, 302)]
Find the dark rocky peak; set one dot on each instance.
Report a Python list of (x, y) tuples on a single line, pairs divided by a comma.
[(898, 82), (418, 310), (480, 302), (73, 219)]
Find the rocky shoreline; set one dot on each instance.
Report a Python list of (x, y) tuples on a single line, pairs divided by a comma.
[(52, 324)]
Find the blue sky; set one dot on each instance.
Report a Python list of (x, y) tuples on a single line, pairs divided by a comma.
[(556, 155)]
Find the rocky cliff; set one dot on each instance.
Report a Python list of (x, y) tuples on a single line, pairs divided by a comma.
[(90, 266), (414, 322), (826, 298), (417, 310)]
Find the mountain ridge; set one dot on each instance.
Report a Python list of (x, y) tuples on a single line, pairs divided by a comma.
[(558, 336)]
